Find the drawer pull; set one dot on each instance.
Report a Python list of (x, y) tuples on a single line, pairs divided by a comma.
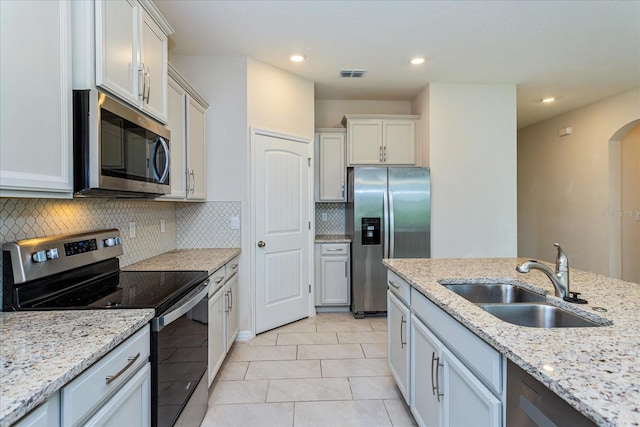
[(219, 279), (109, 379), (392, 283), (335, 250)]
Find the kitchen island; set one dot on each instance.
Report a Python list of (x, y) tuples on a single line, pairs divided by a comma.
[(596, 370), (41, 351)]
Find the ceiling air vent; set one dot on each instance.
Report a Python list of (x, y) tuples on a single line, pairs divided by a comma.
[(356, 74)]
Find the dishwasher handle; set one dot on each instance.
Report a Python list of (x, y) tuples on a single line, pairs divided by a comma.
[(182, 307)]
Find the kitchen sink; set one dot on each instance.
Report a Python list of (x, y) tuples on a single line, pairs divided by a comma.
[(494, 293), (537, 315)]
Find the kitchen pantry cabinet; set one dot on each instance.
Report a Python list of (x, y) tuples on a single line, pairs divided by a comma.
[(331, 168), (381, 140), (35, 82), (333, 272), (121, 46), (187, 123)]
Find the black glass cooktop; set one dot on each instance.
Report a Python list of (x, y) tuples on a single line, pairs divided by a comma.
[(104, 288)]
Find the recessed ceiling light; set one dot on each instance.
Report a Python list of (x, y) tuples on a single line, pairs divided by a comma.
[(548, 100), (297, 58), (417, 60)]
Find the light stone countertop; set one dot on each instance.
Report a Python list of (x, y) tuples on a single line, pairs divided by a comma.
[(187, 259), (596, 370), (332, 238), (41, 351)]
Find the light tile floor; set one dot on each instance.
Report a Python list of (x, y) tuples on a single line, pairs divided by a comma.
[(328, 370)]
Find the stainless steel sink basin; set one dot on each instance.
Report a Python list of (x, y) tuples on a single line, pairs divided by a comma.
[(494, 293), (537, 315)]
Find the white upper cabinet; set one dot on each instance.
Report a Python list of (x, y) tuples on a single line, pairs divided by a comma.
[(381, 140), (121, 46), (35, 82), (187, 122), (331, 166)]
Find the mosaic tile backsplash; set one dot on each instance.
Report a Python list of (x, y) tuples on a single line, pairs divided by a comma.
[(29, 218), (335, 223), (208, 225)]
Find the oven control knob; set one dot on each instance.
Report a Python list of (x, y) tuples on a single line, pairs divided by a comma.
[(52, 253), (40, 256), (110, 242)]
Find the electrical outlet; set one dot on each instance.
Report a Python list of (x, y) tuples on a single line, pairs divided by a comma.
[(234, 223), (132, 230), (324, 217), (163, 227)]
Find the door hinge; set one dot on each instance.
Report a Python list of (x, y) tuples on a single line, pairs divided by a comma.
[(309, 161), (309, 287), (309, 225)]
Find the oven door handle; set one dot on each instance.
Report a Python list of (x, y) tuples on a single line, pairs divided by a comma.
[(158, 323)]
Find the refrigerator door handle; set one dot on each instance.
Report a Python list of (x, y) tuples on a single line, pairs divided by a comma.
[(385, 219), (391, 225)]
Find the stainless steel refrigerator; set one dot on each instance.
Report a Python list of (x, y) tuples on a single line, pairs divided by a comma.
[(388, 215)]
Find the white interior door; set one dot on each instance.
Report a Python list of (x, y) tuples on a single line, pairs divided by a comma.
[(282, 230)]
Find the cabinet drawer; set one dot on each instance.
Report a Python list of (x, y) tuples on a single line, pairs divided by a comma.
[(84, 394), (399, 287), (232, 267), (334, 249), (216, 280), (477, 355)]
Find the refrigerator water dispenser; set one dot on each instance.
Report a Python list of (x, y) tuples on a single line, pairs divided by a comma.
[(370, 231)]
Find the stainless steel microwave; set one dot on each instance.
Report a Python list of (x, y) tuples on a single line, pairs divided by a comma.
[(117, 151)]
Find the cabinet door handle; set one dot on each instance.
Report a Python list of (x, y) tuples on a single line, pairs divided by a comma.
[(343, 190), (384, 156), (111, 378), (148, 84), (392, 283), (230, 300), (435, 386), (226, 301), (403, 341), (192, 181), (346, 274), (380, 154), (141, 82)]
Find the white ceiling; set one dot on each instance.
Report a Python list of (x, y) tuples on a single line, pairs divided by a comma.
[(577, 51)]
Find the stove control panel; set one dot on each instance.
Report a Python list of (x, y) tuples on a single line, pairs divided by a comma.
[(36, 258)]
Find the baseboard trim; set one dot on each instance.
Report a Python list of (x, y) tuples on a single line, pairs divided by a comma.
[(245, 336)]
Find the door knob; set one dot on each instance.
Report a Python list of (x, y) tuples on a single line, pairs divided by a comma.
[(261, 244)]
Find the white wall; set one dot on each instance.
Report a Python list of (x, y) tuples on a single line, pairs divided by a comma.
[(420, 106), (472, 144), (279, 101), (329, 112), (563, 183)]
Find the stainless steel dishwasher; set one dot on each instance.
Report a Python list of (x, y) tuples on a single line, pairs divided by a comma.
[(530, 403)]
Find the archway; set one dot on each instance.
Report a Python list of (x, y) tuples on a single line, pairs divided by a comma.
[(624, 202)]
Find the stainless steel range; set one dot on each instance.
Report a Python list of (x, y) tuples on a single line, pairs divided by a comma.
[(82, 271)]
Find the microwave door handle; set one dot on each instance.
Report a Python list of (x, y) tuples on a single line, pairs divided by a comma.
[(160, 142), (159, 323)]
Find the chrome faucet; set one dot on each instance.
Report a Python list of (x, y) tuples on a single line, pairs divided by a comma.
[(560, 278)]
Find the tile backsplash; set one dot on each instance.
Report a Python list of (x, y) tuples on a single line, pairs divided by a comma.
[(335, 223), (29, 218), (208, 225)]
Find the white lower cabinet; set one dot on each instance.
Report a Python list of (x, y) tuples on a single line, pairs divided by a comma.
[(332, 269), (130, 406), (398, 318), (45, 415), (447, 374), (223, 315), (442, 386), (231, 306), (216, 338)]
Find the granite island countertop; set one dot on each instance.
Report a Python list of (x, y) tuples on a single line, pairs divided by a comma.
[(596, 370), (187, 259), (41, 351)]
